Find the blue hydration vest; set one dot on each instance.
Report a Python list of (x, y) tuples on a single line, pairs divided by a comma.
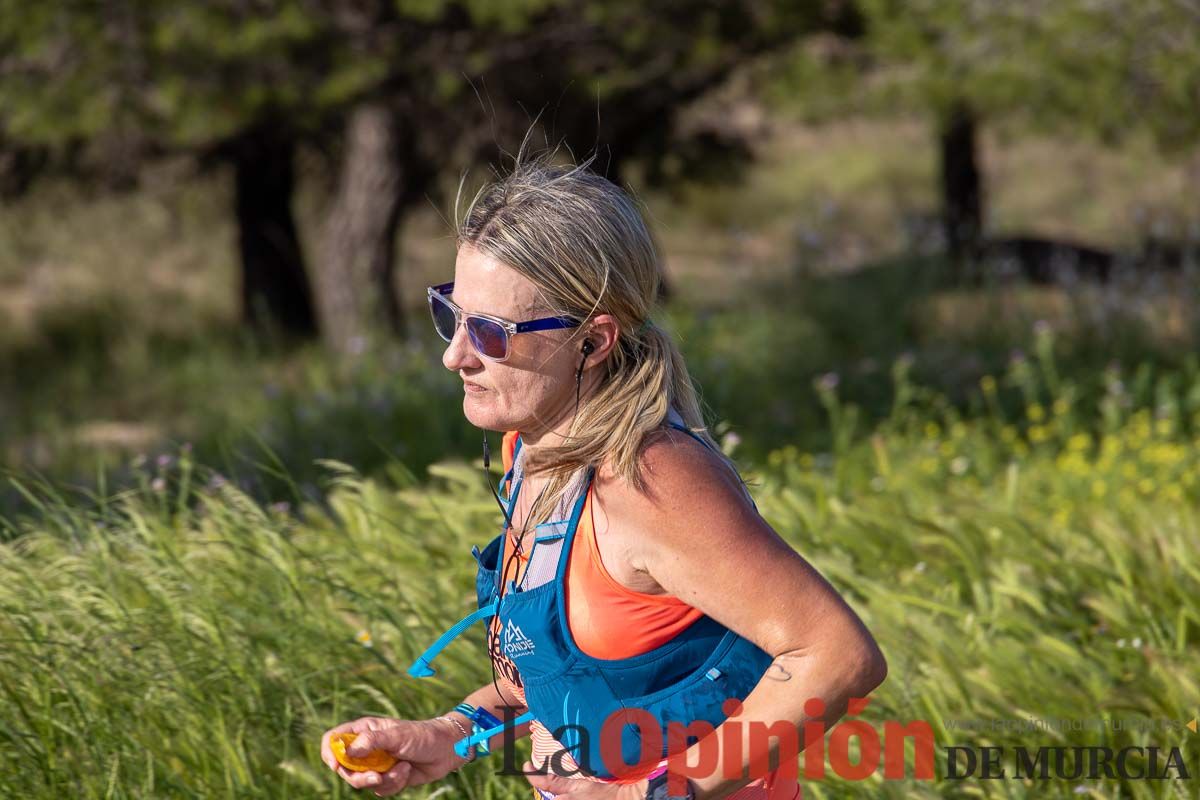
[(571, 693)]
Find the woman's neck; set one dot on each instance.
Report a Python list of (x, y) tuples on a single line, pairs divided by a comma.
[(556, 433)]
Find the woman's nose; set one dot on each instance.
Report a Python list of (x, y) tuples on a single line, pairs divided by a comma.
[(459, 352)]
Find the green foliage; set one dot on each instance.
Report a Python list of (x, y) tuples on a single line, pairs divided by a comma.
[(1122, 65), (207, 642), (180, 640), (508, 17), (73, 47), (192, 74), (1007, 566), (1104, 68), (422, 10)]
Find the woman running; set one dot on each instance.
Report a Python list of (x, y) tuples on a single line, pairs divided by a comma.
[(634, 590)]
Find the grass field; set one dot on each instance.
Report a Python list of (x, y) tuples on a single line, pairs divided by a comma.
[(211, 550), (179, 639)]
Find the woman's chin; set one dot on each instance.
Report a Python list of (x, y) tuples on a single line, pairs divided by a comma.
[(478, 412), (483, 414)]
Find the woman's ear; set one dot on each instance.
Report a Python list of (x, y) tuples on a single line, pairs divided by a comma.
[(602, 333)]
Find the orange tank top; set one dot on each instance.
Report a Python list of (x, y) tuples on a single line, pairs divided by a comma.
[(606, 619)]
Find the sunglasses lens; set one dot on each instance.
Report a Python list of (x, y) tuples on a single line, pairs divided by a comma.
[(443, 317), (489, 338)]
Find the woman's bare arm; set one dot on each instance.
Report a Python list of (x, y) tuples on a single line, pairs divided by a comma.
[(702, 541)]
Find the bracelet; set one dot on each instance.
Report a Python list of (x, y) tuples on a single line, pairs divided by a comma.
[(481, 720), (464, 733)]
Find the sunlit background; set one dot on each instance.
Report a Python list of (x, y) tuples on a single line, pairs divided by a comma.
[(934, 266)]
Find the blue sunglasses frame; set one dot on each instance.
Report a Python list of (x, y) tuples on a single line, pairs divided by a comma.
[(438, 294)]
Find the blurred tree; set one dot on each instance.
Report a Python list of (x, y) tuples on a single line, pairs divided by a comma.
[(960, 61), (1108, 68), (962, 189), (615, 76), (116, 83), (275, 287), (384, 87), (1121, 67), (1124, 68), (19, 166), (606, 76), (618, 74)]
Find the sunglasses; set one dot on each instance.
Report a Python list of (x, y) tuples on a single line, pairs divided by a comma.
[(490, 336)]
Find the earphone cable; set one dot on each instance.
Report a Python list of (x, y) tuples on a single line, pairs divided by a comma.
[(508, 512)]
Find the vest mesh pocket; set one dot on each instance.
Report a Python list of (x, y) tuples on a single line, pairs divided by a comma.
[(543, 562), (545, 554)]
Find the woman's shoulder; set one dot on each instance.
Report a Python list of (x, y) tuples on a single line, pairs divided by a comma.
[(675, 469), (669, 446), (689, 499)]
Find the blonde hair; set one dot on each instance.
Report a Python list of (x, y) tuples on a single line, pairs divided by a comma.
[(582, 241)]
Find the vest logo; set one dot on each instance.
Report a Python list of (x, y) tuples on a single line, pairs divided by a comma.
[(516, 643)]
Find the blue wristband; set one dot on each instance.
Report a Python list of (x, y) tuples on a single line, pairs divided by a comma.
[(481, 720)]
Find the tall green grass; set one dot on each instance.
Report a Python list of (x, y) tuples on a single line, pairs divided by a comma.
[(1027, 566), (1029, 554), (183, 641)]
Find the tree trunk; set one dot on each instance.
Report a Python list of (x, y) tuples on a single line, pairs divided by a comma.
[(19, 166), (275, 289), (962, 188), (354, 277)]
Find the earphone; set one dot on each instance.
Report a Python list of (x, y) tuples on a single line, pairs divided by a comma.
[(588, 347)]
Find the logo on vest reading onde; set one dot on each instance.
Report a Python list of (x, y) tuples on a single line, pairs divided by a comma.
[(516, 643)]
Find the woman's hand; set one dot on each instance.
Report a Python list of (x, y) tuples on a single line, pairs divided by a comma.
[(424, 750), (580, 789)]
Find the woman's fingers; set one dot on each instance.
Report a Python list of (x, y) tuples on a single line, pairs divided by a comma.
[(394, 780), (375, 733), (360, 780), (385, 784), (397, 740), (385, 739), (327, 751)]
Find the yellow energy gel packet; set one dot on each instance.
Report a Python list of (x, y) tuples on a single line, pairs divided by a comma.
[(377, 760)]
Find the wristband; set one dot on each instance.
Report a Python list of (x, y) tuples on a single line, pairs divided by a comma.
[(481, 720)]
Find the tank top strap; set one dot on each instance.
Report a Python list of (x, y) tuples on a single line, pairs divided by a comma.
[(676, 420)]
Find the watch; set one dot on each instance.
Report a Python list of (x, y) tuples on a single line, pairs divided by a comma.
[(657, 790)]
